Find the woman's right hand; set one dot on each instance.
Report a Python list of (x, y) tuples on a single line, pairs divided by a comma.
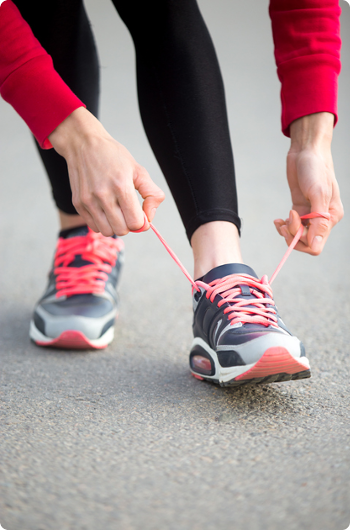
[(312, 182), (104, 176)]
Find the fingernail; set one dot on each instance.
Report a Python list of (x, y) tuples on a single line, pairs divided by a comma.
[(153, 213), (317, 242)]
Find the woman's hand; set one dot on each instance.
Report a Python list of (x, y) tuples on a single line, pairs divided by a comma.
[(104, 176), (312, 182)]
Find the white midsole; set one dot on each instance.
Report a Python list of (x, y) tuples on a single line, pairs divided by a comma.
[(37, 336), (226, 374)]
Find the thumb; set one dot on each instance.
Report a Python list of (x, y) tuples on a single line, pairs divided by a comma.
[(319, 227), (152, 195)]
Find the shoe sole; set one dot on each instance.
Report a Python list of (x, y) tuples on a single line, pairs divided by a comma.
[(71, 339), (276, 365)]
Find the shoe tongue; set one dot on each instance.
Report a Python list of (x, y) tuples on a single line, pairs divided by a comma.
[(226, 270), (74, 232)]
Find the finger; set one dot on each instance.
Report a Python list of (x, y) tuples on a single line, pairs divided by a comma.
[(153, 196), (88, 207), (318, 233), (120, 208), (84, 213), (293, 224), (116, 219), (278, 224), (336, 208), (89, 221), (100, 220), (300, 246), (131, 208), (290, 227), (320, 227), (145, 226)]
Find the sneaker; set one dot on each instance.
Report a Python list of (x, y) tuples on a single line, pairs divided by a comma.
[(239, 336), (79, 307)]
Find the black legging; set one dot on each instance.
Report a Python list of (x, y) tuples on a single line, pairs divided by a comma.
[(180, 90)]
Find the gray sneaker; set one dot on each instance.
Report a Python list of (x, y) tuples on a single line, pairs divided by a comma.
[(79, 307)]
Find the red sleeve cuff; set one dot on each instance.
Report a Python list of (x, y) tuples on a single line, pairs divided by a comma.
[(309, 85), (40, 96), (307, 42)]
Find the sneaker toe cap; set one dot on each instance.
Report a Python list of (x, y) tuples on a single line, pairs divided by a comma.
[(253, 349)]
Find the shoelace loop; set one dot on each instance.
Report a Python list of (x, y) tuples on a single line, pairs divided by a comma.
[(100, 251), (258, 310)]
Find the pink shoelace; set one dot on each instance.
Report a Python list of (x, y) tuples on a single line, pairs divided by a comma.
[(102, 253), (99, 250), (243, 310)]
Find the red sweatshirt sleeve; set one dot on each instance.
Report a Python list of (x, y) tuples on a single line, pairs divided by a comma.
[(28, 80), (307, 42)]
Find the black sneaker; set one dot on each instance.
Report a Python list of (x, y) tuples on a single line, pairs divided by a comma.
[(239, 336), (79, 306)]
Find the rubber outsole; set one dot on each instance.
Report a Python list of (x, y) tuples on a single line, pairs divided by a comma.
[(71, 340), (276, 365), (276, 378)]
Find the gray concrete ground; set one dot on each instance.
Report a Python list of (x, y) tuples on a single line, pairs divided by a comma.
[(125, 438)]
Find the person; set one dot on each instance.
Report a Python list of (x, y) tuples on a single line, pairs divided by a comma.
[(238, 334)]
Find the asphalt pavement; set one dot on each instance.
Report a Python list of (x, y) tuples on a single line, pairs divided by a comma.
[(126, 439)]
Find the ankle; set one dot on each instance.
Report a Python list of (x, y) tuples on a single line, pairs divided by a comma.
[(69, 221), (214, 244)]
